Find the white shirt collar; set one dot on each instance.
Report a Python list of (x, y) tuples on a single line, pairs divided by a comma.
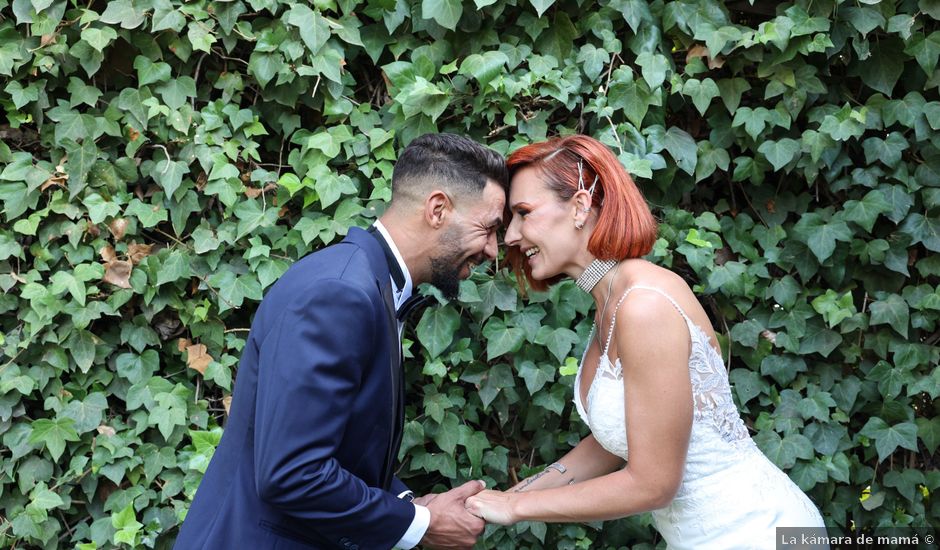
[(401, 294)]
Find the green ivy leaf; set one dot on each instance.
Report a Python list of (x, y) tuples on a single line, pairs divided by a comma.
[(446, 12), (882, 71), (87, 413), (887, 151), (314, 28), (731, 90), (535, 376), (683, 149), (53, 434), (889, 438), (166, 17), (41, 498), (332, 187), (175, 91), (892, 311), (541, 6), (448, 434), (501, 339), (125, 13), (865, 212), (821, 235), (784, 451), (82, 345), (436, 329), (560, 343), (653, 67), (926, 50), (782, 368), (265, 66), (780, 153), (819, 339), (174, 267), (484, 67), (99, 38), (149, 215), (22, 96), (702, 92), (126, 525), (423, 97), (923, 229), (593, 60), (928, 430), (747, 384), (169, 174), (200, 36)]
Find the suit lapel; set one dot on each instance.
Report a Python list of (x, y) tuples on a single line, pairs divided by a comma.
[(396, 415)]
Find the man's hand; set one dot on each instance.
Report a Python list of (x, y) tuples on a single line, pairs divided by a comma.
[(452, 526), (424, 500)]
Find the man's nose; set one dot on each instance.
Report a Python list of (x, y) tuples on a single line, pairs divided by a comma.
[(491, 249)]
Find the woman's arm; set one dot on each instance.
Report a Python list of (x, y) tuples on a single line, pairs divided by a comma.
[(653, 345), (586, 461)]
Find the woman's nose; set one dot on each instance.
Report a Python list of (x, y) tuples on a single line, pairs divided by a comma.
[(513, 236)]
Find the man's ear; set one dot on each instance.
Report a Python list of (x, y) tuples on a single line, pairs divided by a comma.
[(437, 207)]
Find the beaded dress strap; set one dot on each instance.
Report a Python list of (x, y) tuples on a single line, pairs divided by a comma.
[(613, 319)]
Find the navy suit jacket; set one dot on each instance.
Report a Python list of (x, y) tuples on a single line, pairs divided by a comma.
[(307, 456)]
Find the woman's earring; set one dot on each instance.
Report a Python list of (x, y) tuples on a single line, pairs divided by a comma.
[(579, 225)]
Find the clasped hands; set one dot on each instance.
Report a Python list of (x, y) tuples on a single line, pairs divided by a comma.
[(459, 516)]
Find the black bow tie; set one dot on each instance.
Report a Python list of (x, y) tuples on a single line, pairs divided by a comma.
[(416, 301)]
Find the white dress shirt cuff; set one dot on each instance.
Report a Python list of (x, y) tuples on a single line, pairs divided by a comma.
[(416, 531)]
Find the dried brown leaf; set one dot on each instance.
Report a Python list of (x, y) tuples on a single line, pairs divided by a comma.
[(118, 227), (197, 358), (118, 273), (107, 254), (59, 181), (769, 335), (137, 252), (227, 403), (183, 343), (106, 430), (697, 50)]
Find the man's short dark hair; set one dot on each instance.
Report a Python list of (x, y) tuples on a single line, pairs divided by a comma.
[(455, 163)]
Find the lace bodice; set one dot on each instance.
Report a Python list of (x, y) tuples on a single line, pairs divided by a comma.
[(731, 495)]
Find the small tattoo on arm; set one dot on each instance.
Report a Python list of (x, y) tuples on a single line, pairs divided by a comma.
[(531, 480)]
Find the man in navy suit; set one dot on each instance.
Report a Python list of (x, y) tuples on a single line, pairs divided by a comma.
[(309, 450)]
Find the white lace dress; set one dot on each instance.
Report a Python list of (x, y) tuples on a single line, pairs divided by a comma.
[(731, 495)]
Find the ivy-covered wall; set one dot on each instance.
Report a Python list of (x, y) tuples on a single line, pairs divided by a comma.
[(163, 162)]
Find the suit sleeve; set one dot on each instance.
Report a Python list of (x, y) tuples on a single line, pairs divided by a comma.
[(398, 486), (309, 374)]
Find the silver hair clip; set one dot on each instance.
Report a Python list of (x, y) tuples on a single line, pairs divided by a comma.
[(581, 178)]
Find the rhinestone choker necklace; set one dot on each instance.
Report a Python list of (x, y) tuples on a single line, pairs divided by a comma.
[(594, 273)]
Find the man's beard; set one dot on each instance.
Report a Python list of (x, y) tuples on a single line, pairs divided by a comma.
[(445, 268)]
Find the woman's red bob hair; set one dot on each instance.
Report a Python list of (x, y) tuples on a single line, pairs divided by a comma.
[(625, 226)]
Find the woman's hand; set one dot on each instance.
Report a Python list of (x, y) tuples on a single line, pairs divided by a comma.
[(492, 507)]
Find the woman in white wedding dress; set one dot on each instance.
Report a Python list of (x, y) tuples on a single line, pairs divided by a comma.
[(651, 379)]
